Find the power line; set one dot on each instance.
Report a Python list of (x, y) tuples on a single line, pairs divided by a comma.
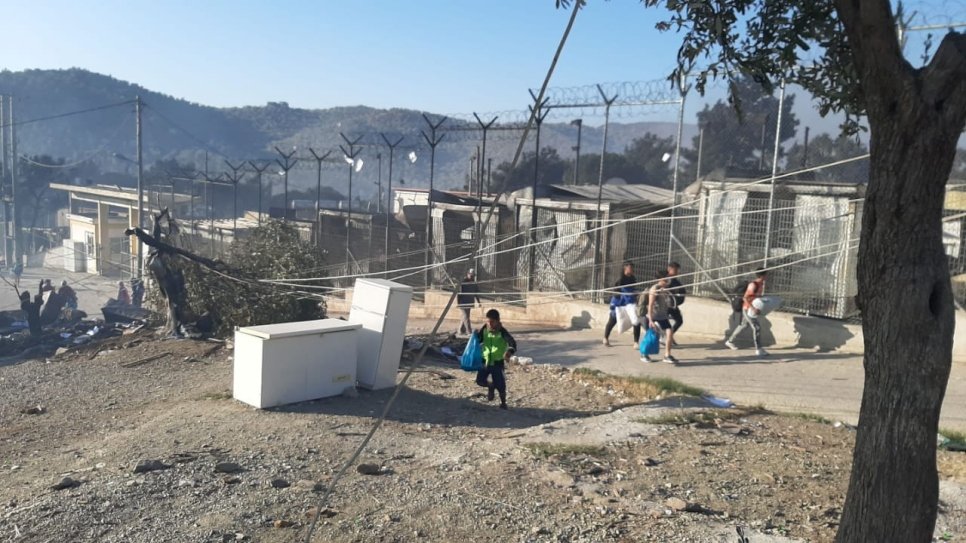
[(68, 114), (187, 132)]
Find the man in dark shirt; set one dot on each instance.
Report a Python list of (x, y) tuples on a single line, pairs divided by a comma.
[(466, 299), (677, 296)]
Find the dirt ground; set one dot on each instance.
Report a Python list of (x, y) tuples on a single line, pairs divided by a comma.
[(575, 459)]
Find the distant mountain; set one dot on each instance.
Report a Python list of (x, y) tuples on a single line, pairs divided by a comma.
[(176, 128)]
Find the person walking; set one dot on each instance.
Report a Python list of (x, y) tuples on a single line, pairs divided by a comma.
[(625, 294), (137, 292), (658, 303), (751, 315), (677, 292), (70, 297), (123, 296), (498, 346), (468, 297)]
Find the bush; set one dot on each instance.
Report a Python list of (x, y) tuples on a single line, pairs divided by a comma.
[(237, 298)]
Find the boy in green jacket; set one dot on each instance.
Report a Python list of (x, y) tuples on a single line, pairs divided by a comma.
[(498, 347)]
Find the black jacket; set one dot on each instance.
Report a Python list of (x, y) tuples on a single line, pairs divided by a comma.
[(468, 294), (677, 291)]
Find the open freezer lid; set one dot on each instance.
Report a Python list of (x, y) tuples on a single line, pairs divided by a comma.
[(382, 283), (303, 328)]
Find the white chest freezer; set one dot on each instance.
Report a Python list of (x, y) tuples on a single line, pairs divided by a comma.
[(278, 364), (382, 308)]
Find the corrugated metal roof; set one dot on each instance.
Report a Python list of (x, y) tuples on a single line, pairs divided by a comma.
[(618, 193)]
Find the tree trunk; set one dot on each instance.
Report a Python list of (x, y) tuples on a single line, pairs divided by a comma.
[(908, 320)]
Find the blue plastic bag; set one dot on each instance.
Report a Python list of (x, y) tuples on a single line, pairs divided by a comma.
[(472, 359), (651, 344)]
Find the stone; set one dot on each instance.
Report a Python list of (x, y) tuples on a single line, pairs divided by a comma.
[(228, 467), (327, 512), (145, 466), (676, 504), (66, 483), (33, 410), (232, 480), (283, 523), (280, 483), (369, 469)]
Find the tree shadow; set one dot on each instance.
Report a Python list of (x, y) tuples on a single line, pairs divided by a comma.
[(775, 357), (822, 334)]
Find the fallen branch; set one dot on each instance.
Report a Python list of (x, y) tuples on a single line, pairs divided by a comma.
[(144, 360)]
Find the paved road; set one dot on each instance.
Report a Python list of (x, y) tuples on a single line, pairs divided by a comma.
[(92, 290), (794, 380)]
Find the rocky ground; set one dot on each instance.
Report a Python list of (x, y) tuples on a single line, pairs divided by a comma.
[(138, 440)]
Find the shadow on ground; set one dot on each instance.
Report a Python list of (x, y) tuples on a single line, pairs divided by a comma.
[(414, 406)]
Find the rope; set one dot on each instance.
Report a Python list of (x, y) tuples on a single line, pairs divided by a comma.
[(418, 360)]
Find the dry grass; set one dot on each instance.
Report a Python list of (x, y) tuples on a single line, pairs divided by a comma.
[(638, 388), (546, 450), (710, 417)]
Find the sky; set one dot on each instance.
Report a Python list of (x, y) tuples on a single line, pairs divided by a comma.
[(443, 56)]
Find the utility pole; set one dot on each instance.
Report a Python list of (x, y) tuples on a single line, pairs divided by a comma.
[(350, 157), (3, 181), (579, 123), (318, 189), (140, 252), (392, 151), (697, 174), (774, 172), (236, 175), (286, 166), (539, 111), (683, 89), (433, 139), (211, 209), (258, 176), (489, 174), (379, 184), (600, 258), (14, 170)]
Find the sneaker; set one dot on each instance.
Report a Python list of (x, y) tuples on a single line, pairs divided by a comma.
[(670, 359), (636, 346), (761, 352), (503, 405), (490, 395), (674, 343), (606, 342), (646, 358), (731, 346)]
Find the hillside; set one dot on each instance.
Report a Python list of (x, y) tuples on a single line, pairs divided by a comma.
[(176, 128)]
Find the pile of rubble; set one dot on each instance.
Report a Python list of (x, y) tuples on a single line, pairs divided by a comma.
[(65, 333)]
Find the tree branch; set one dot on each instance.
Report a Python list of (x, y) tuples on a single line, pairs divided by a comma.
[(168, 248), (944, 80), (871, 30)]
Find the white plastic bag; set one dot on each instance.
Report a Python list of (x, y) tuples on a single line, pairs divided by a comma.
[(623, 321), (631, 310)]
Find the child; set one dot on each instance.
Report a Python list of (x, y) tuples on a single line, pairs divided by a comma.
[(498, 347)]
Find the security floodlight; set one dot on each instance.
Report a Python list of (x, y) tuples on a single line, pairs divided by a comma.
[(412, 157), (358, 166), (666, 157), (281, 172)]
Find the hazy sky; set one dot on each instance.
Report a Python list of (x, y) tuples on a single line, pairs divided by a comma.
[(444, 56)]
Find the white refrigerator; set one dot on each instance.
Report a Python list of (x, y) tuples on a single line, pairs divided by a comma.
[(382, 308)]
